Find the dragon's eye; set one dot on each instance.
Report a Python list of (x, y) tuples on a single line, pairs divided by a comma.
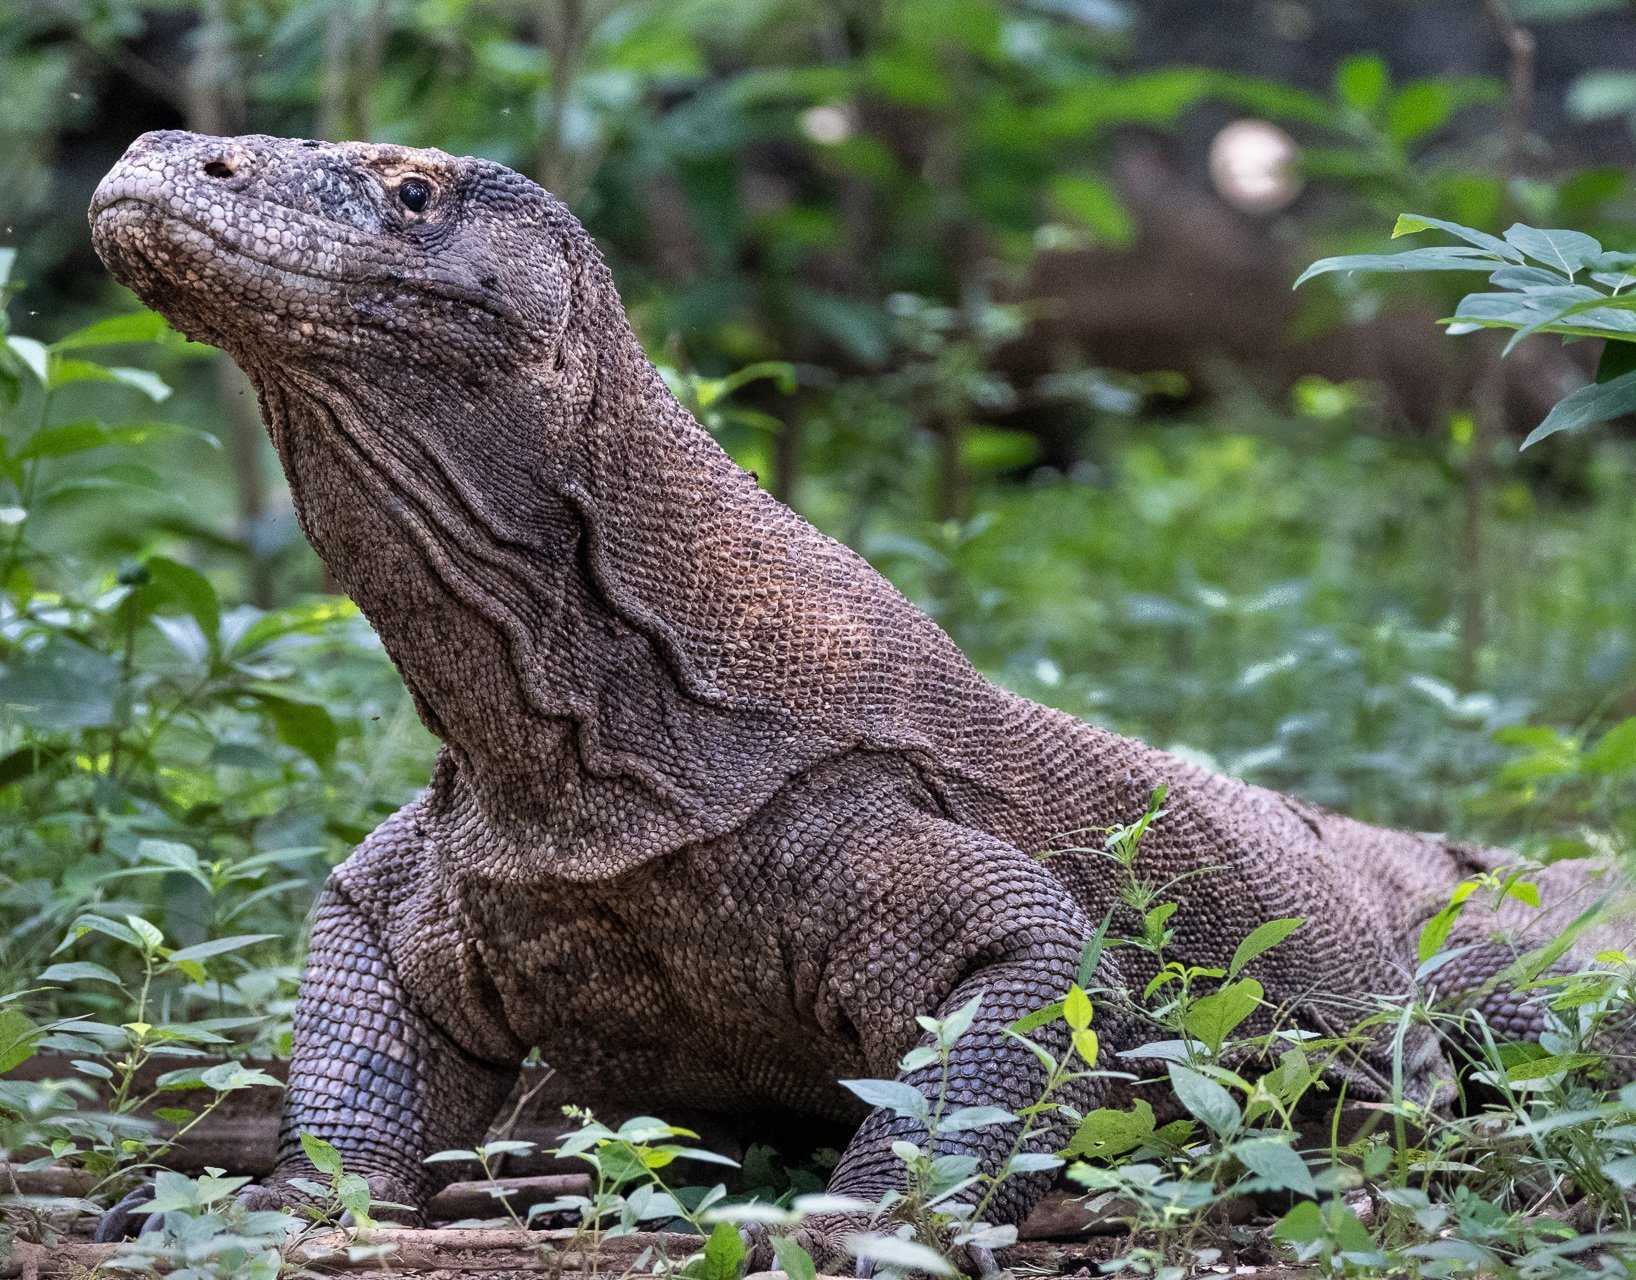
[(414, 193)]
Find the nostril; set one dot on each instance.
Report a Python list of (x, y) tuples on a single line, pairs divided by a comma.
[(218, 169)]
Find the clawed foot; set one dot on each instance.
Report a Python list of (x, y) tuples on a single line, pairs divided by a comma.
[(121, 1221)]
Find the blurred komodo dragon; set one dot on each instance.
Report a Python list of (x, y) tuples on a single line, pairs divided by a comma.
[(717, 810)]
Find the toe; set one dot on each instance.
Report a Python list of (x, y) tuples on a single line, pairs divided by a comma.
[(118, 1222)]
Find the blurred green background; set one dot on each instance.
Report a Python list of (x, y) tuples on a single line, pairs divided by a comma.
[(999, 293)]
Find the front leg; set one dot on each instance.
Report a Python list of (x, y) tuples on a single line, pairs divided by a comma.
[(948, 914), (372, 1073)]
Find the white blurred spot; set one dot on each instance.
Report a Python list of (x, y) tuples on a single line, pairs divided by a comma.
[(826, 125), (1252, 164)]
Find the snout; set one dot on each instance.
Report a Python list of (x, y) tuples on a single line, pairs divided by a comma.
[(159, 214), (173, 171)]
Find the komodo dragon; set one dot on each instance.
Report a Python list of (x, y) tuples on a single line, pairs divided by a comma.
[(717, 811)]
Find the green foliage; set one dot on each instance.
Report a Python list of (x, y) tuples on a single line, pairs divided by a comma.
[(207, 1234), (1545, 281)]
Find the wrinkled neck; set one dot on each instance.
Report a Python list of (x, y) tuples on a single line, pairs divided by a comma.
[(487, 535)]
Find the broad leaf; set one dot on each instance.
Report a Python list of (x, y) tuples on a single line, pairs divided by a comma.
[(1213, 1018), (1409, 223), (901, 1099), (1274, 1160), (1452, 258), (1615, 751), (1564, 251), (135, 326), (323, 1155), (899, 1254), (1263, 938), (220, 946), (80, 971), (1206, 1100), (1589, 405), (1106, 1133)]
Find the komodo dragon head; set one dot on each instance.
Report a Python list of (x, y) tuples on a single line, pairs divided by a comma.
[(288, 251)]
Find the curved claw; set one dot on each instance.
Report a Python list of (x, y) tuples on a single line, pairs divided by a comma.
[(115, 1223), (982, 1258)]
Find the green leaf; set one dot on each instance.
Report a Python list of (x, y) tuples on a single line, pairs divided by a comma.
[(1615, 751), (173, 1191), (1076, 1008), (964, 1118), (64, 439), (1362, 80), (147, 935), (135, 326), (1550, 1065), (220, 946), (173, 582), (991, 450), (34, 355), (794, 1261), (450, 1157), (723, 1256), (324, 1157), (309, 618), (1304, 1224), (1589, 405), (1042, 1017), (1558, 249), (90, 923), (1621, 1171), (306, 726), (229, 1077), (899, 1254), (899, 1098), (18, 1036), (352, 1191), (1030, 1162), (1435, 932), (1091, 955), (1106, 1133), (85, 434), (957, 1023), (1418, 109), (1449, 258), (1274, 1160), (1214, 1017), (170, 855), (1263, 938), (510, 1147), (1527, 278), (1409, 223), (1544, 311), (1094, 205), (1205, 1100), (80, 971), (65, 371), (1598, 312)]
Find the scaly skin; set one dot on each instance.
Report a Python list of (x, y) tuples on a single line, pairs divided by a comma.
[(717, 810)]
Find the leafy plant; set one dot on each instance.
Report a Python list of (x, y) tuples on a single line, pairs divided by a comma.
[(628, 1187), (1544, 281)]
